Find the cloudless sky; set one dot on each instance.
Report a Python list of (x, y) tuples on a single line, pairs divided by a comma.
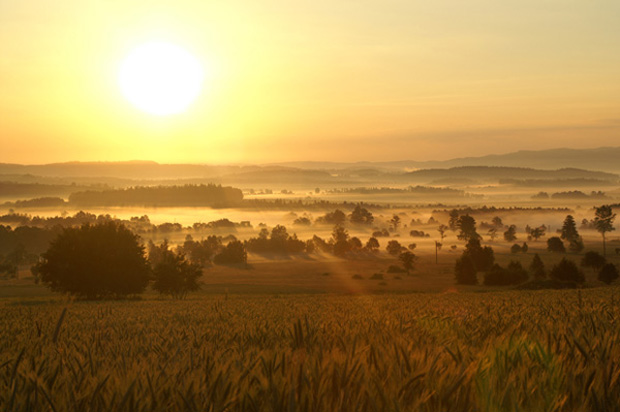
[(313, 80)]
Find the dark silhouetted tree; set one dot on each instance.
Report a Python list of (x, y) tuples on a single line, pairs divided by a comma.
[(482, 257), (453, 221), (233, 253), (173, 275), (395, 222), (467, 228), (465, 271), (538, 232), (510, 235), (355, 243), (608, 273), (604, 222), (95, 261), (372, 244), (569, 229), (576, 245), (442, 231), (492, 233), (408, 260), (593, 260), (361, 215), (514, 274), (567, 271), (555, 244), (537, 268), (394, 247)]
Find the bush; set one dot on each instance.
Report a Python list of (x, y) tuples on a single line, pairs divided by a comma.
[(516, 248), (377, 276), (567, 271), (608, 273), (95, 261), (357, 277)]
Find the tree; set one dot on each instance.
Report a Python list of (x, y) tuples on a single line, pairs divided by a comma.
[(175, 276), (512, 275), (510, 234), (569, 229), (492, 233), (95, 261), (408, 260), (567, 271), (608, 273), (576, 245), (340, 239), (604, 222), (337, 217), (233, 253), (516, 248), (555, 244), (393, 247), (465, 271), (593, 260), (497, 222), (482, 257), (372, 244), (361, 215), (537, 267), (395, 222), (538, 232), (442, 231), (454, 218), (467, 228), (355, 243)]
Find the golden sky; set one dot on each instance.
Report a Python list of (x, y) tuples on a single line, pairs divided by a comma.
[(313, 80)]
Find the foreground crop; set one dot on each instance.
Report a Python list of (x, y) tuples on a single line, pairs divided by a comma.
[(542, 351)]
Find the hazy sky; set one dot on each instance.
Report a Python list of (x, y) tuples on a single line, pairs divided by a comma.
[(313, 80)]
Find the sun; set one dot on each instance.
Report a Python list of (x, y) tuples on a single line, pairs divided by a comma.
[(161, 78)]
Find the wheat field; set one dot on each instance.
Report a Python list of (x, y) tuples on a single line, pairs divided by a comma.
[(496, 351)]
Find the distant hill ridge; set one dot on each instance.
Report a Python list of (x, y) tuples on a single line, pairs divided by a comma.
[(561, 161)]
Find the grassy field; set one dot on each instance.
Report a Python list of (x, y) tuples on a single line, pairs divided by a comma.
[(494, 351)]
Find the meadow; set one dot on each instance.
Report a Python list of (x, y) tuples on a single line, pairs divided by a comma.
[(493, 351)]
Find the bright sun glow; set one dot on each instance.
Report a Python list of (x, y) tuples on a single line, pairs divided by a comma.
[(161, 78)]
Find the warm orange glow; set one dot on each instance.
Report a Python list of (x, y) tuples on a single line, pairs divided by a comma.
[(286, 81)]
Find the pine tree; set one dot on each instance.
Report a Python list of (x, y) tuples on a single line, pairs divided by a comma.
[(569, 229)]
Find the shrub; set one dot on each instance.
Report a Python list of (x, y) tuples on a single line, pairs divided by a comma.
[(377, 276), (356, 276), (95, 261)]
